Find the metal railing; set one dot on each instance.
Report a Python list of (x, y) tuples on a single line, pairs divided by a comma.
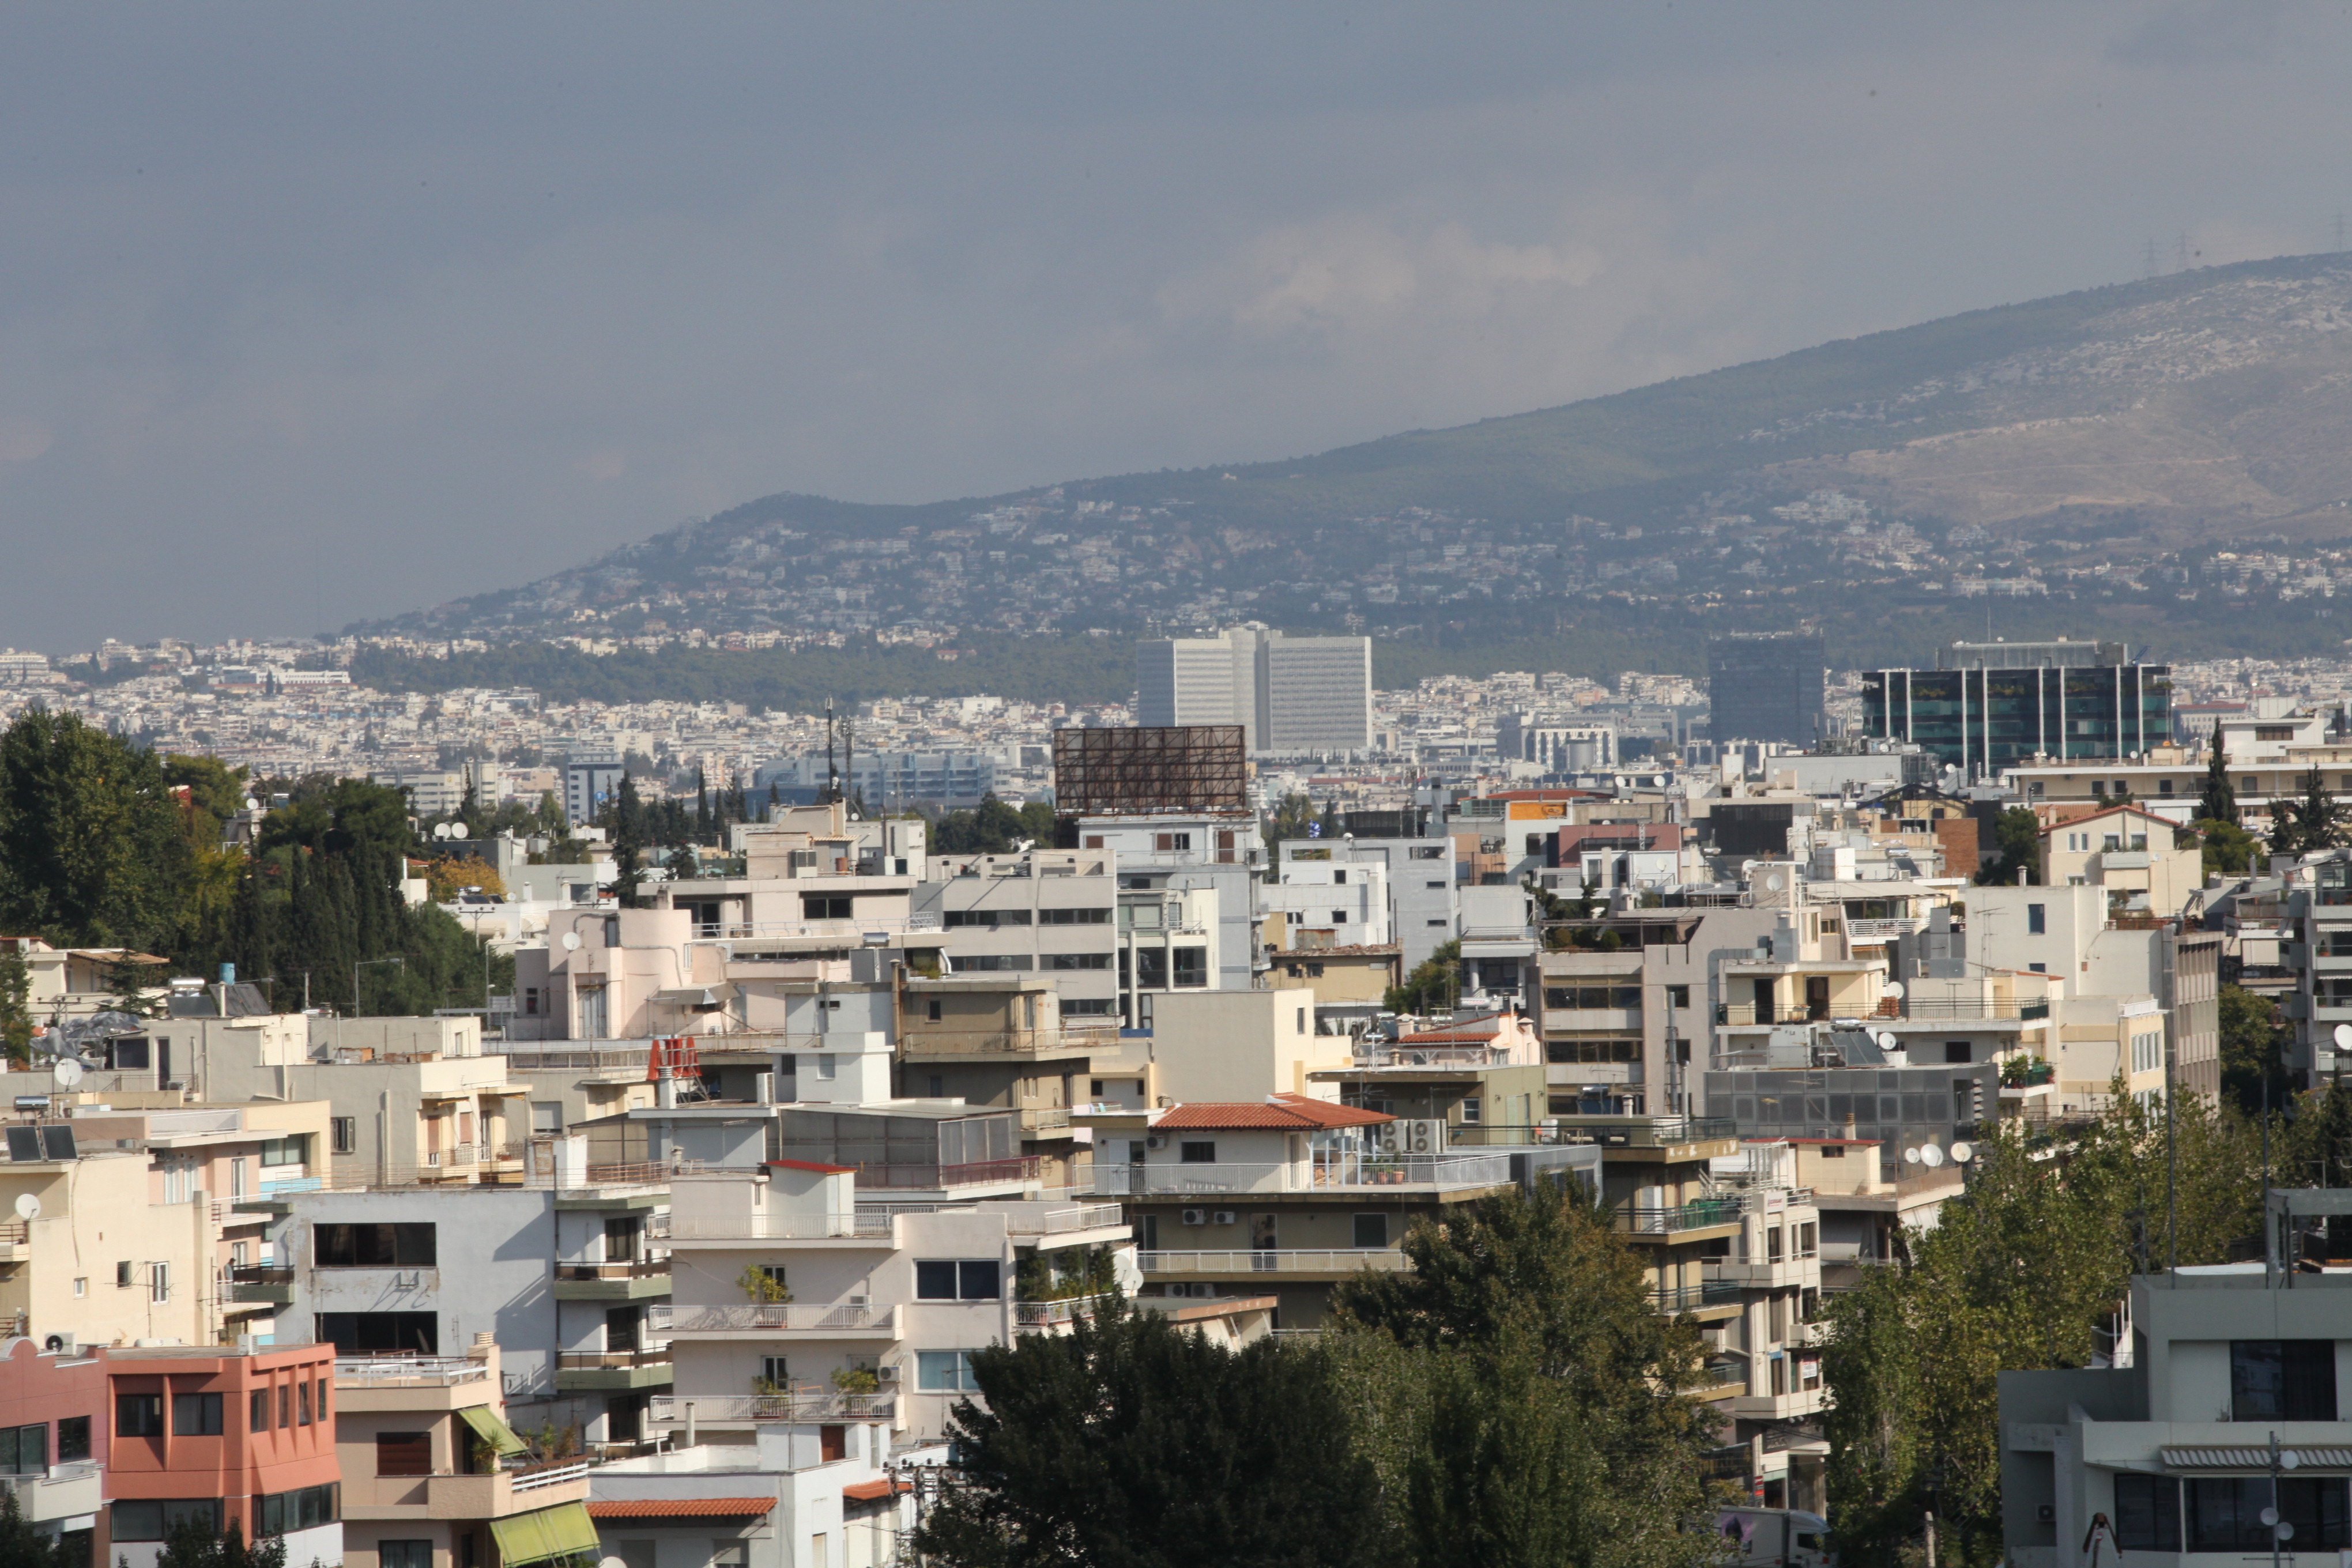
[(1689, 1297), (1645, 1132), (976, 1174), (408, 1370), (258, 1274), (648, 1268), (595, 1360), (1062, 1222), (778, 1227), (783, 1317), (1048, 1314), (1642, 1219), (669, 1410), (1279, 1260), (1208, 1180), (532, 1480), (736, 930)]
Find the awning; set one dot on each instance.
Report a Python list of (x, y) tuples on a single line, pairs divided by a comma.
[(683, 1508), (491, 1429), (2325, 1459), (564, 1531)]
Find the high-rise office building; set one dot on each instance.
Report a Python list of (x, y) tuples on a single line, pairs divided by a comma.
[(1764, 686), (1288, 694), (1988, 705)]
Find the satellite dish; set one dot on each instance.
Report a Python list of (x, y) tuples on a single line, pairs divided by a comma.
[(457, 830), (65, 1073), (1893, 988), (571, 942), (2286, 1530), (1910, 1156), (1773, 883), (251, 804), (2289, 1459), (2344, 1037), (2269, 1516), (28, 1207), (1931, 1156), (1963, 1152), (1886, 1041)]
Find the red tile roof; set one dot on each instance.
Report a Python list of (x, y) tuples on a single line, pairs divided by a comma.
[(1289, 1113), (874, 1492), (683, 1508)]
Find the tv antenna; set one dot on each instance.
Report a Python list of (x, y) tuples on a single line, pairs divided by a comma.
[(2147, 263)]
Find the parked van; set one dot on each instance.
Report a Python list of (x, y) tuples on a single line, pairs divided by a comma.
[(1775, 1538)]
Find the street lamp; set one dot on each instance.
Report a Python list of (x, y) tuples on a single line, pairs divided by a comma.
[(368, 963)]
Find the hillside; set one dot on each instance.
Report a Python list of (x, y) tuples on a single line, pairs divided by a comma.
[(2155, 460)]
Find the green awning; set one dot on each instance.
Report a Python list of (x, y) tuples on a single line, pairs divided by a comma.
[(564, 1531), (490, 1429)]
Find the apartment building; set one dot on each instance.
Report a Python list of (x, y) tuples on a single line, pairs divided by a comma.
[(2316, 959), (832, 1495), (56, 1423), (1425, 909), (1328, 904), (1292, 696), (1624, 1021), (429, 1465), (1771, 1350), (1048, 912)]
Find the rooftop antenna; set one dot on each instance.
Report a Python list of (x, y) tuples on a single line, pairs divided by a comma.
[(2147, 263)]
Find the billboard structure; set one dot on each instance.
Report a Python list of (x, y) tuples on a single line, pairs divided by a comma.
[(1160, 770)]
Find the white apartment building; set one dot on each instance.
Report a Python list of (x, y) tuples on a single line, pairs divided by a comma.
[(1051, 912), (1424, 906), (1328, 904), (588, 781), (1290, 695)]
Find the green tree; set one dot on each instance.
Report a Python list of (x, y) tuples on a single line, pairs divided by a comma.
[(2017, 834), (1435, 982), (15, 1003), (24, 1546), (1131, 1442), (2314, 823), (1290, 819), (2229, 851), (2220, 801), (195, 1543), (92, 850), (993, 828), (2253, 1040), (1526, 1397)]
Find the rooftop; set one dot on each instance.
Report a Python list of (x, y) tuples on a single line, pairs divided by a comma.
[(1289, 1113)]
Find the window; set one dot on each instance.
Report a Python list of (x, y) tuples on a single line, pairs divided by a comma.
[(992, 962), (1339, 917), (1197, 1153), (25, 1450), (2147, 1513), (302, 1405), (547, 1116), (1593, 1050), (1171, 843), (2281, 1380), (369, 1333), (1471, 1109), (730, 1553), (256, 1415), (775, 1371), (138, 1416), (2037, 919), (1956, 1051), (159, 1282), (404, 1554), (1094, 1088), (81, 1287), (1077, 960), (345, 1133), (196, 1416), (277, 1513), (982, 1281), (1832, 1151), (1192, 965), (2225, 1512), (1099, 917), (986, 919), (1677, 995), (289, 1151), (404, 1453), (1371, 1230), (405, 1245), (1429, 852), (154, 1519), (73, 1439), (947, 1372), (775, 1274), (932, 1011), (821, 907), (1591, 998)]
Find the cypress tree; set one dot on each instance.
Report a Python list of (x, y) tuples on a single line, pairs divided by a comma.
[(2220, 802)]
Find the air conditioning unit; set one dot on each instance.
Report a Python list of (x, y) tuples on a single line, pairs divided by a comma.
[(1196, 1216), (1225, 1216), (1157, 1140), (887, 1372)]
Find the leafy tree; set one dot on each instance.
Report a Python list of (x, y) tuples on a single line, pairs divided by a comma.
[(194, 1543), (217, 791), (22, 1545), (993, 828), (2228, 849), (2017, 834), (1520, 1396), (92, 849), (2254, 1039), (2220, 801), (1131, 1442), (2314, 823), (1291, 816), (1434, 983), (451, 875), (15, 1007)]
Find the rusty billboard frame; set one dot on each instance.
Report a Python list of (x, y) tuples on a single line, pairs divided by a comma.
[(1154, 771)]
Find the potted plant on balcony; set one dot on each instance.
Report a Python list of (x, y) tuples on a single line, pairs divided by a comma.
[(856, 1381), (761, 1286)]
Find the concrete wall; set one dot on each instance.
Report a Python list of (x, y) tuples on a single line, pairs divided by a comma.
[(1240, 1045)]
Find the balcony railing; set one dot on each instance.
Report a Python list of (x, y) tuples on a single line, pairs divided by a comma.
[(669, 1410), (1052, 1314), (1702, 1214), (977, 1174), (1063, 1222), (779, 1226), (646, 1268), (1291, 1260), (595, 1360), (1690, 1298), (1345, 1175), (783, 1317), (1645, 1132), (408, 1370), (737, 931), (554, 1476)]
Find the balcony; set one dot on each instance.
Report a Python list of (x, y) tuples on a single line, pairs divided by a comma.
[(1298, 1263), (1682, 1220), (612, 1281), (1056, 1227), (1779, 1272), (822, 931), (1647, 1131), (1708, 1294), (408, 1370), (735, 1409), (1779, 1406), (1338, 1176), (771, 1319), (1044, 1316), (257, 1286), (869, 1225), (494, 1495), (1723, 1378), (582, 1371), (61, 1492)]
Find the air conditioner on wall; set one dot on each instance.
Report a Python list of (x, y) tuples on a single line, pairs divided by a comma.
[(1157, 1140), (1225, 1216), (887, 1372), (1194, 1217)]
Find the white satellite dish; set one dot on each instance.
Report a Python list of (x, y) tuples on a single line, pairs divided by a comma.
[(1910, 1156), (1886, 1041), (1963, 1152), (1773, 884), (1931, 1156), (1893, 988), (571, 942), (28, 1207), (2269, 1516), (65, 1073), (2289, 1459), (457, 830), (2344, 1037)]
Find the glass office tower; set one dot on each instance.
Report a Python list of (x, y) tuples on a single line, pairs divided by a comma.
[(1991, 705)]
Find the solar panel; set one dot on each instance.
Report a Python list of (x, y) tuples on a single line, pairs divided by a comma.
[(58, 1143), (23, 1143)]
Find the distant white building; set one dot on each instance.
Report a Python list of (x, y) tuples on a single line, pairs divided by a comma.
[(1288, 694)]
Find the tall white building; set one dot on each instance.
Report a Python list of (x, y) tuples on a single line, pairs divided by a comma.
[(1289, 694)]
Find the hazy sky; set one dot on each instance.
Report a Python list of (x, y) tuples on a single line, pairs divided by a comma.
[(314, 313)]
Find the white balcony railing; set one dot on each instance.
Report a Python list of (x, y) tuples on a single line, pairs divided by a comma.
[(1291, 1260), (1208, 1180), (407, 1371), (781, 1317), (1062, 1222), (670, 1410), (778, 1227)]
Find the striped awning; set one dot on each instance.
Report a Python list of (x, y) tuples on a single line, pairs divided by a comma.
[(2243, 1460)]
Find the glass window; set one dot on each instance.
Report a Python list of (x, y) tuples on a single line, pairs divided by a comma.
[(2281, 1380), (935, 1281), (138, 1416), (2225, 1512), (981, 1282), (404, 1554), (374, 1246), (73, 1439), (2147, 1513), (345, 1131), (150, 1519), (1197, 1153), (1371, 1230), (196, 1416), (25, 1450), (256, 1414), (944, 1372)]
